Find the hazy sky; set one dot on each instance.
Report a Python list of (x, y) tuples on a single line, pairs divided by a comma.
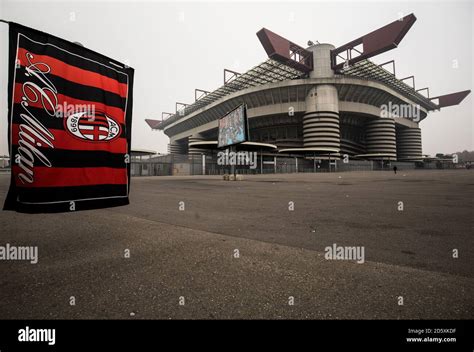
[(176, 47)]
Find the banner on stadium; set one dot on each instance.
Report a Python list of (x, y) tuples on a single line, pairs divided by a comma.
[(69, 125)]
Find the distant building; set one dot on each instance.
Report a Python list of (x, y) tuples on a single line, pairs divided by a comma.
[(4, 162)]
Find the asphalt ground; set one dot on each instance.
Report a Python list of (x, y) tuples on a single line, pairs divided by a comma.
[(183, 261)]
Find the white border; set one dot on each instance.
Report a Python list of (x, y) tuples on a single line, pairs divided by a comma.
[(11, 118)]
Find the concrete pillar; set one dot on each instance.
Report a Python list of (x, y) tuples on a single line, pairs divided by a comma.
[(380, 138), (321, 119), (203, 158), (321, 61), (409, 144)]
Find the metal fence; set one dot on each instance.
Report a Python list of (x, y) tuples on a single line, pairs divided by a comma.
[(200, 164), (152, 166)]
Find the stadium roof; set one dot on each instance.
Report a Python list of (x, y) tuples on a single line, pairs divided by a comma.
[(267, 72), (272, 71), (368, 69)]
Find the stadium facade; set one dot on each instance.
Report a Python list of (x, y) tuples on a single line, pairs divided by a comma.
[(320, 101)]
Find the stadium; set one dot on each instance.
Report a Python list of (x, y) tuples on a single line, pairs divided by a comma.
[(322, 104)]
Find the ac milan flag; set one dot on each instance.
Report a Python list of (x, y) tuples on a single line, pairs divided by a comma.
[(70, 119)]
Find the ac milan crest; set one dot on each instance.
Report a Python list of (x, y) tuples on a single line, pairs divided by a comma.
[(92, 127)]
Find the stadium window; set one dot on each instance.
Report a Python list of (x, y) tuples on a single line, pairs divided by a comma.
[(273, 134), (256, 136), (282, 133), (300, 132), (292, 132)]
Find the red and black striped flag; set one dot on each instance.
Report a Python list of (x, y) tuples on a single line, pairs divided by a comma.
[(70, 119)]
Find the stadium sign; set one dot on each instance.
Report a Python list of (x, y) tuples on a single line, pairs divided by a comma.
[(233, 127)]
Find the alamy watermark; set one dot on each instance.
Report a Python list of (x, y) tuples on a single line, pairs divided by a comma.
[(9, 252), (336, 252), (37, 335), (409, 111), (237, 158), (65, 109)]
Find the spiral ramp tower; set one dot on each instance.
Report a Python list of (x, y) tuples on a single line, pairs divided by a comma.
[(381, 139), (409, 144), (176, 148), (321, 128), (193, 139)]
